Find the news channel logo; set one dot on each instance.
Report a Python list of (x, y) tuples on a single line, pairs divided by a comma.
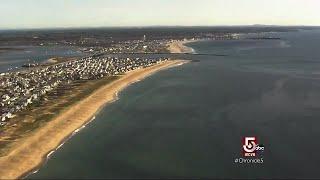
[(252, 151), (251, 147)]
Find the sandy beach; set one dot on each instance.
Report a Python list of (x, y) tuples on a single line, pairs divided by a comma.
[(31, 151), (51, 61), (179, 47)]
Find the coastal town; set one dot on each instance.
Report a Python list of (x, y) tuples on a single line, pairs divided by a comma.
[(22, 88), (130, 47), (29, 85), (47, 98), (159, 89), (147, 44)]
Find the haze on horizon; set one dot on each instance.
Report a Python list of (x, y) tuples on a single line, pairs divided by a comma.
[(16, 14)]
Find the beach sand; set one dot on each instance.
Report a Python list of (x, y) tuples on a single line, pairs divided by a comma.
[(179, 47), (51, 61), (31, 151)]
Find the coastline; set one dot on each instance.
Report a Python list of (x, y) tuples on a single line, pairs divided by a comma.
[(177, 46), (31, 152)]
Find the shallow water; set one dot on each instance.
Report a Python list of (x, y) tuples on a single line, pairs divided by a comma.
[(189, 121), (24, 54)]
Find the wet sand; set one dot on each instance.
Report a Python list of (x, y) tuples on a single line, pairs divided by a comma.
[(179, 47), (29, 153)]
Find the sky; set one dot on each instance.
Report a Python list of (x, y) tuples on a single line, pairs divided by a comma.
[(16, 14)]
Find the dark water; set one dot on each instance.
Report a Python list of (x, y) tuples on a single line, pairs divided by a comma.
[(24, 54), (189, 121)]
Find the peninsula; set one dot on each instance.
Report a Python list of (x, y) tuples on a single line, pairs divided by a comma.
[(25, 154)]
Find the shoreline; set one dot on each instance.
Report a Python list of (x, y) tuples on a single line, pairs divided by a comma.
[(178, 46), (76, 131), (33, 151)]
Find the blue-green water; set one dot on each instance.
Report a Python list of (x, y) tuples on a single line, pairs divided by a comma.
[(188, 121)]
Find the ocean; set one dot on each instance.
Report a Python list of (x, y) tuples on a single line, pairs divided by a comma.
[(189, 121)]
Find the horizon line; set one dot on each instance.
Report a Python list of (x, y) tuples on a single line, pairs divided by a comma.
[(150, 26)]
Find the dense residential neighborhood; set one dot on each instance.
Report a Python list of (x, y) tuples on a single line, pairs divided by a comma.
[(22, 88)]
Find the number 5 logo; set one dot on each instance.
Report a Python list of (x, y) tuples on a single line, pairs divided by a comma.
[(249, 144)]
